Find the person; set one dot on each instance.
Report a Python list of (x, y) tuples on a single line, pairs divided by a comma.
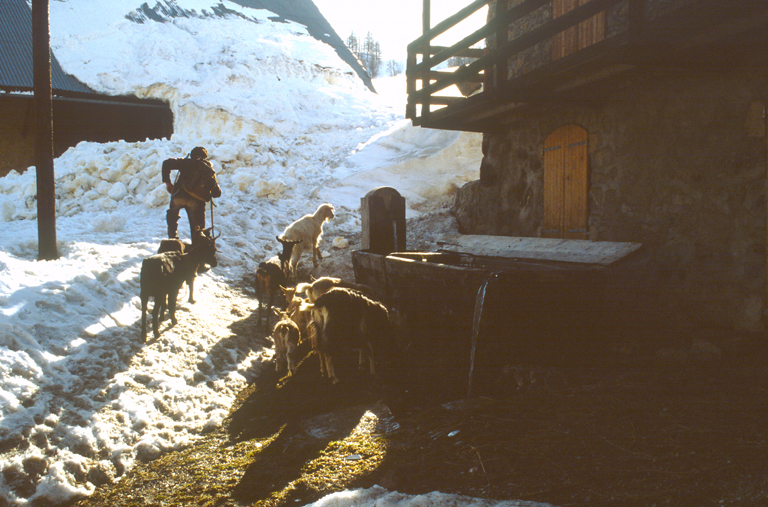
[(195, 185)]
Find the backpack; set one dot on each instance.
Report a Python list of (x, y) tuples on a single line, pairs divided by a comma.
[(202, 184)]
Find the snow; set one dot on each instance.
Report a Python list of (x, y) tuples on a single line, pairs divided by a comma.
[(380, 497), (288, 126)]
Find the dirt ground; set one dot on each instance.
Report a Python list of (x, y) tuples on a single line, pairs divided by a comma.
[(663, 418), (653, 432)]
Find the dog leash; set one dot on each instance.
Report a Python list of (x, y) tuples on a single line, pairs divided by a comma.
[(213, 230)]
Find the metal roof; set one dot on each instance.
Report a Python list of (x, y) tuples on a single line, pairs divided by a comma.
[(16, 53)]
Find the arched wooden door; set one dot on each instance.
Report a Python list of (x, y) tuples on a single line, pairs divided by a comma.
[(566, 183)]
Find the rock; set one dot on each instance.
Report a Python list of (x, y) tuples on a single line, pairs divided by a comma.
[(102, 473)]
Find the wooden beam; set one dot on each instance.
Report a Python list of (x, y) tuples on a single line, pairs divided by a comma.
[(448, 23), (467, 73), (437, 74), (469, 52), (439, 100), (410, 88), (493, 26), (46, 192)]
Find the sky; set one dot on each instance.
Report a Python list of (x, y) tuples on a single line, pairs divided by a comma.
[(394, 23), (288, 126)]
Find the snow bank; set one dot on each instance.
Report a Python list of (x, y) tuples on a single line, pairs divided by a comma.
[(380, 497)]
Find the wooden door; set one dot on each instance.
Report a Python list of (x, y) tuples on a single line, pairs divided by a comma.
[(566, 183), (580, 36)]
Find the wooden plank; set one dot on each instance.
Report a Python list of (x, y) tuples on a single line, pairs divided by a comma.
[(437, 74), (565, 42), (601, 253), (496, 24), (448, 23), (575, 182), (591, 30), (550, 29), (552, 226), (410, 88), (439, 100), (469, 52), (499, 55)]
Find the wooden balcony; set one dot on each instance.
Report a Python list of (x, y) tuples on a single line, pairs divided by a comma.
[(565, 51)]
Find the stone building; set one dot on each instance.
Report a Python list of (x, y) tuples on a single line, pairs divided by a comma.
[(631, 121)]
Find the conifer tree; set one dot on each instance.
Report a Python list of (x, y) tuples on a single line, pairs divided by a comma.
[(353, 44), (368, 52)]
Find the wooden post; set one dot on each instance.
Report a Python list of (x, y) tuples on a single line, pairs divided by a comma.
[(425, 81), (490, 42), (499, 72), (46, 194), (410, 86)]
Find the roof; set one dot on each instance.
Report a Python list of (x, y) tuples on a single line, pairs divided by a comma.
[(16, 38), (16, 53), (306, 13), (300, 11)]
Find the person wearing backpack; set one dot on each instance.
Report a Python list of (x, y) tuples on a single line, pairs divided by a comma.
[(195, 185)]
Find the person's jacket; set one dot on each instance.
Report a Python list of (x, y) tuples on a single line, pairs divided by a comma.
[(190, 171)]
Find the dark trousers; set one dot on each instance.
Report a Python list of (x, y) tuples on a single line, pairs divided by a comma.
[(195, 209)]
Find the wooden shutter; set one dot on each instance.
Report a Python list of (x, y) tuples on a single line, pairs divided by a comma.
[(592, 30), (566, 183), (578, 37), (565, 42)]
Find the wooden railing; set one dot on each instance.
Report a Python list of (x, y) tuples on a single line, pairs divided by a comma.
[(490, 66)]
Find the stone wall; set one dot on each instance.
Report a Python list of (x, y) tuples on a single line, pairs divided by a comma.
[(677, 161)]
